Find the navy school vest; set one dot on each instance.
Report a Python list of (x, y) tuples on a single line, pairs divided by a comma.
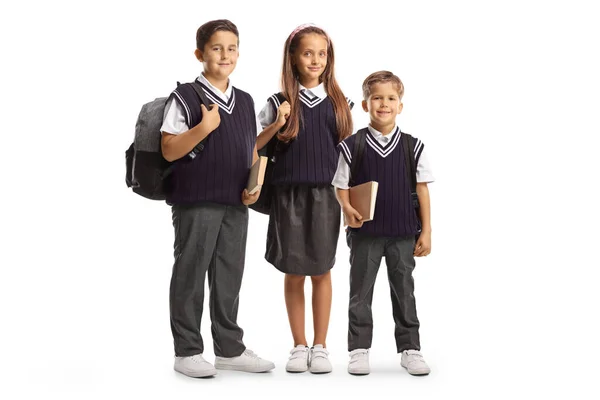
[(219, 173), (394, 211), (311, 158)]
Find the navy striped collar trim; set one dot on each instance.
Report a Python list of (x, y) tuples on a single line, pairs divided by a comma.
[(215, 99)]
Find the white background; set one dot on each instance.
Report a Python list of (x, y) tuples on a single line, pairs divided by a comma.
[(504, 94)]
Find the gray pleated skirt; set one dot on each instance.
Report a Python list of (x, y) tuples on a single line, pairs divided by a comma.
[(304, 226)]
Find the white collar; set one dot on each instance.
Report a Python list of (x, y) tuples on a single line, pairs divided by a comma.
[(224, 96), (378, 135), (318, 91)]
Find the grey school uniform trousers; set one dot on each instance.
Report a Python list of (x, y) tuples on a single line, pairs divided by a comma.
[(208, 237), (365, 257)]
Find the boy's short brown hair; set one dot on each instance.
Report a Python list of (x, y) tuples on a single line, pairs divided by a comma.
[(208, 29), (381, 77)]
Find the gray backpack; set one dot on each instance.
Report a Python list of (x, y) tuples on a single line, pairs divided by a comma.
[(146, 169)]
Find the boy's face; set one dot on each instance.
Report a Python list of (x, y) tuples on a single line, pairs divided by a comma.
[(220, 55), (383, 104), (310, 57)]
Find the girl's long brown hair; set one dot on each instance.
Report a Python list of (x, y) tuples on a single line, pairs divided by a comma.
[(291, 88)]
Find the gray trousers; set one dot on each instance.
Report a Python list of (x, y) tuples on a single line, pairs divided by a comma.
[(208, 237), (365, 257)]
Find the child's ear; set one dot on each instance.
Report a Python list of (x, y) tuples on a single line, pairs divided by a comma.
[(364, 106), (199, 55), (400, 107)]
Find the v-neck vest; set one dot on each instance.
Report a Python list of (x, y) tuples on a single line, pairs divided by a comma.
[(385, 164), (311, 158), (219, 173)]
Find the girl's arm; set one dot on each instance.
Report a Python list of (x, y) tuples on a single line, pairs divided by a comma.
[(268, 133), (283, 112)]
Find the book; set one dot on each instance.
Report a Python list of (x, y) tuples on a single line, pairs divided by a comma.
[(362, 199), (257, 175)]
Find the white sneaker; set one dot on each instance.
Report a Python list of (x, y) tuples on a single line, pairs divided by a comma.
[(298, 361), (247, 362), (319, 360), (194, 366), (359, 362), (414, 363)]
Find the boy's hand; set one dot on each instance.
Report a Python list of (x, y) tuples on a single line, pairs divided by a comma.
[(423, 245), (211, 118), (248, 198), (353, 218), (283, 112)]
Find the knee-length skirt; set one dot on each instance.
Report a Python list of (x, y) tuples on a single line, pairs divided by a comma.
[(304, 226)]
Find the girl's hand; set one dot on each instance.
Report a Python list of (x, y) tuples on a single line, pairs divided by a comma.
[(283, 112), (423, 245), (211, 118), (248, 198), (352, 217)]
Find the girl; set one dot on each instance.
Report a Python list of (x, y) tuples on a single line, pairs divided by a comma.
[(304, 221)]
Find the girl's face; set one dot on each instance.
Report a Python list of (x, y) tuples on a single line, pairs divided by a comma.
[(220, 55), (310, 58)]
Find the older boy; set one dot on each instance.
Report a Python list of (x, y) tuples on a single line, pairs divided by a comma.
[(391, 233), (209, 204)]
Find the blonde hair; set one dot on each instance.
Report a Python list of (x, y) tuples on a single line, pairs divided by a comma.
[(381, 77)]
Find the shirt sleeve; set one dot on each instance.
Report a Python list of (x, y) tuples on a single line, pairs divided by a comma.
[(424, 172), (173, 119), (342, 174), (266, 116)]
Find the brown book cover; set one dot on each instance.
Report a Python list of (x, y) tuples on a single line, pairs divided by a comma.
[(257, 175), (362, 199)]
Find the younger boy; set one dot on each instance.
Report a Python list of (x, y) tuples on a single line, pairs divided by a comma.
[(391, 233), (209, 205)]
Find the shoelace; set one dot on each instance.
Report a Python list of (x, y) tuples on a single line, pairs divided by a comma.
[(251, 354), (198, 359), (415, 357)]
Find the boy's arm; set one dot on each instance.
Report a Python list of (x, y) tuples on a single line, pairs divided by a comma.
[(174, 147), (342, 193), (423, 245), (351, 216)]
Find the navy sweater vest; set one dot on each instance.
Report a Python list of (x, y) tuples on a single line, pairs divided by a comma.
[(219, 173), (311, 158), (394, 212)]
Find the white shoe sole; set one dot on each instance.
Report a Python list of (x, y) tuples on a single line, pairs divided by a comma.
[(319, 371), (196, 374), (296, 370), (359, 371), (423, 371), (243, 368)]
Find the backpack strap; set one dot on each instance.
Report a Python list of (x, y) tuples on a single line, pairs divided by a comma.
[(411, 170), (357, 154), (204, 100)]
